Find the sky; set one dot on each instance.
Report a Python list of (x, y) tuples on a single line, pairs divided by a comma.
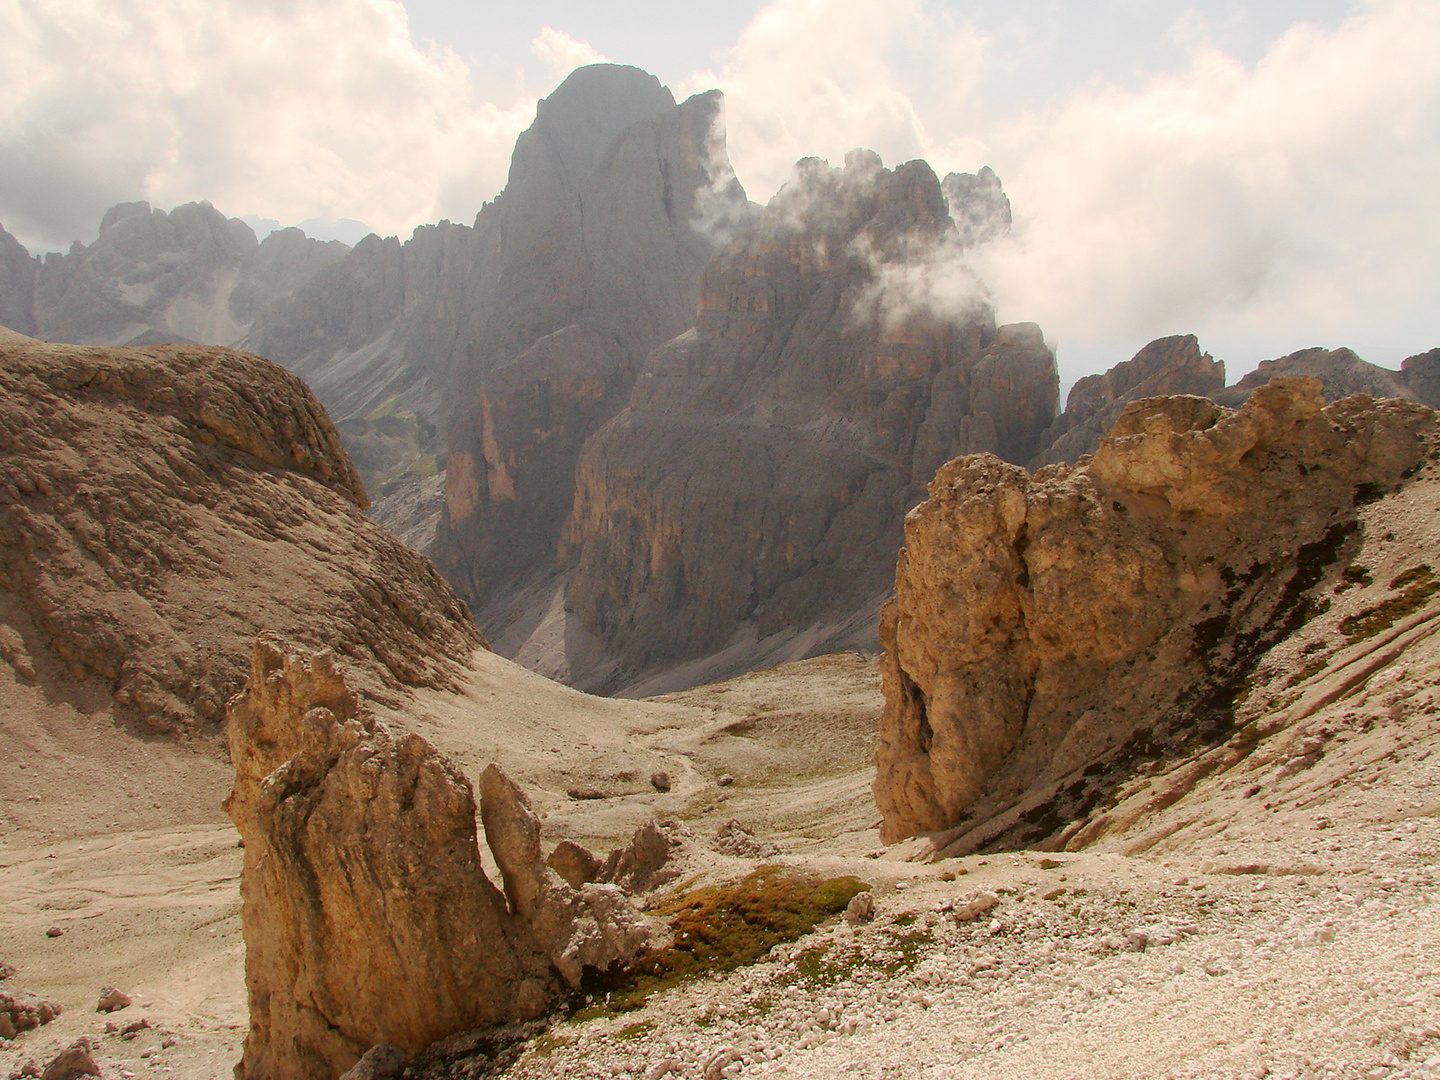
[(1263, 174)]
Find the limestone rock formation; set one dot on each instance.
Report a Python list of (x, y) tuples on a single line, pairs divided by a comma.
[(159, 506), (368, 918), (151, 277), (1051, 634), (755, 483), (1340, 371), (527, 324), (1170, 365), (615, 200)]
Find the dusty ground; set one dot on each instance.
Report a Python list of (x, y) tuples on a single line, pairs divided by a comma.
[(1287, 904)]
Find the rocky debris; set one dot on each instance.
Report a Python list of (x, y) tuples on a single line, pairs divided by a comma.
[(810, 404), (384, 1061), (74, 1061), (6, 971), (21, 1011), (112, 1000), (732, 838), (55, 931), (1166, 366), (159, 506), (593, 927), (660, 781), (1340, 371), (1042, 624), (132, 1029), (367, 916), (190, 276), (575, 863)]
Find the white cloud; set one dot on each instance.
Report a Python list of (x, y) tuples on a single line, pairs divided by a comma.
[(561, 53), (820, 77), (325, 108), (1294, 203)]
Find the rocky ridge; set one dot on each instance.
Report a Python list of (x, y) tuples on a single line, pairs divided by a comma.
[(1053, 635), (161, 505), (189, 276)]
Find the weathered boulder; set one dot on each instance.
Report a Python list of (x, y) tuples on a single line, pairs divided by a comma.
[(808, 410), (368, 918), (1050, 633), (1166, 366), (22, 1011), (591, 927), (161, 506)]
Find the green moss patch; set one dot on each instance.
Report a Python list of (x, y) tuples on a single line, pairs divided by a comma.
[(724, 927), (1417, 585)]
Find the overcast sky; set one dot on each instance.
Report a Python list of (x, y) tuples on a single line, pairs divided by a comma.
[(1263, 174)]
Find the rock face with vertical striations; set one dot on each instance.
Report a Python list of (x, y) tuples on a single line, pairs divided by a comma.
[(17, 285), (614, 199), (753, 487), (159, 506), (1051, 633), (368, 918)]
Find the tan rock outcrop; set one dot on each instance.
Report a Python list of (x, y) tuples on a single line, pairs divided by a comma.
[(368, 918), (160, 506), (1052, 633), (1166, 366)]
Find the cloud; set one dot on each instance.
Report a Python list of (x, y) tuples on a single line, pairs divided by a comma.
[(325, 109), (1293, 201), (820, 77), (561, 53)]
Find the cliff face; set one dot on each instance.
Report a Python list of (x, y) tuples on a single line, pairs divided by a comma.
[(603, 214), (162, 505), (1051, 634), (17, 285), (756, 480)]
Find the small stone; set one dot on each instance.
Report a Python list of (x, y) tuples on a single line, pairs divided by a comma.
[(1050, 864), (74, 1061), (168, 1042), (861, 908), (55, 931), (660, 781), (112, 1000), (663, 1067), (975, 906), (133, 1028), (383, 1061), (725, 780)]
